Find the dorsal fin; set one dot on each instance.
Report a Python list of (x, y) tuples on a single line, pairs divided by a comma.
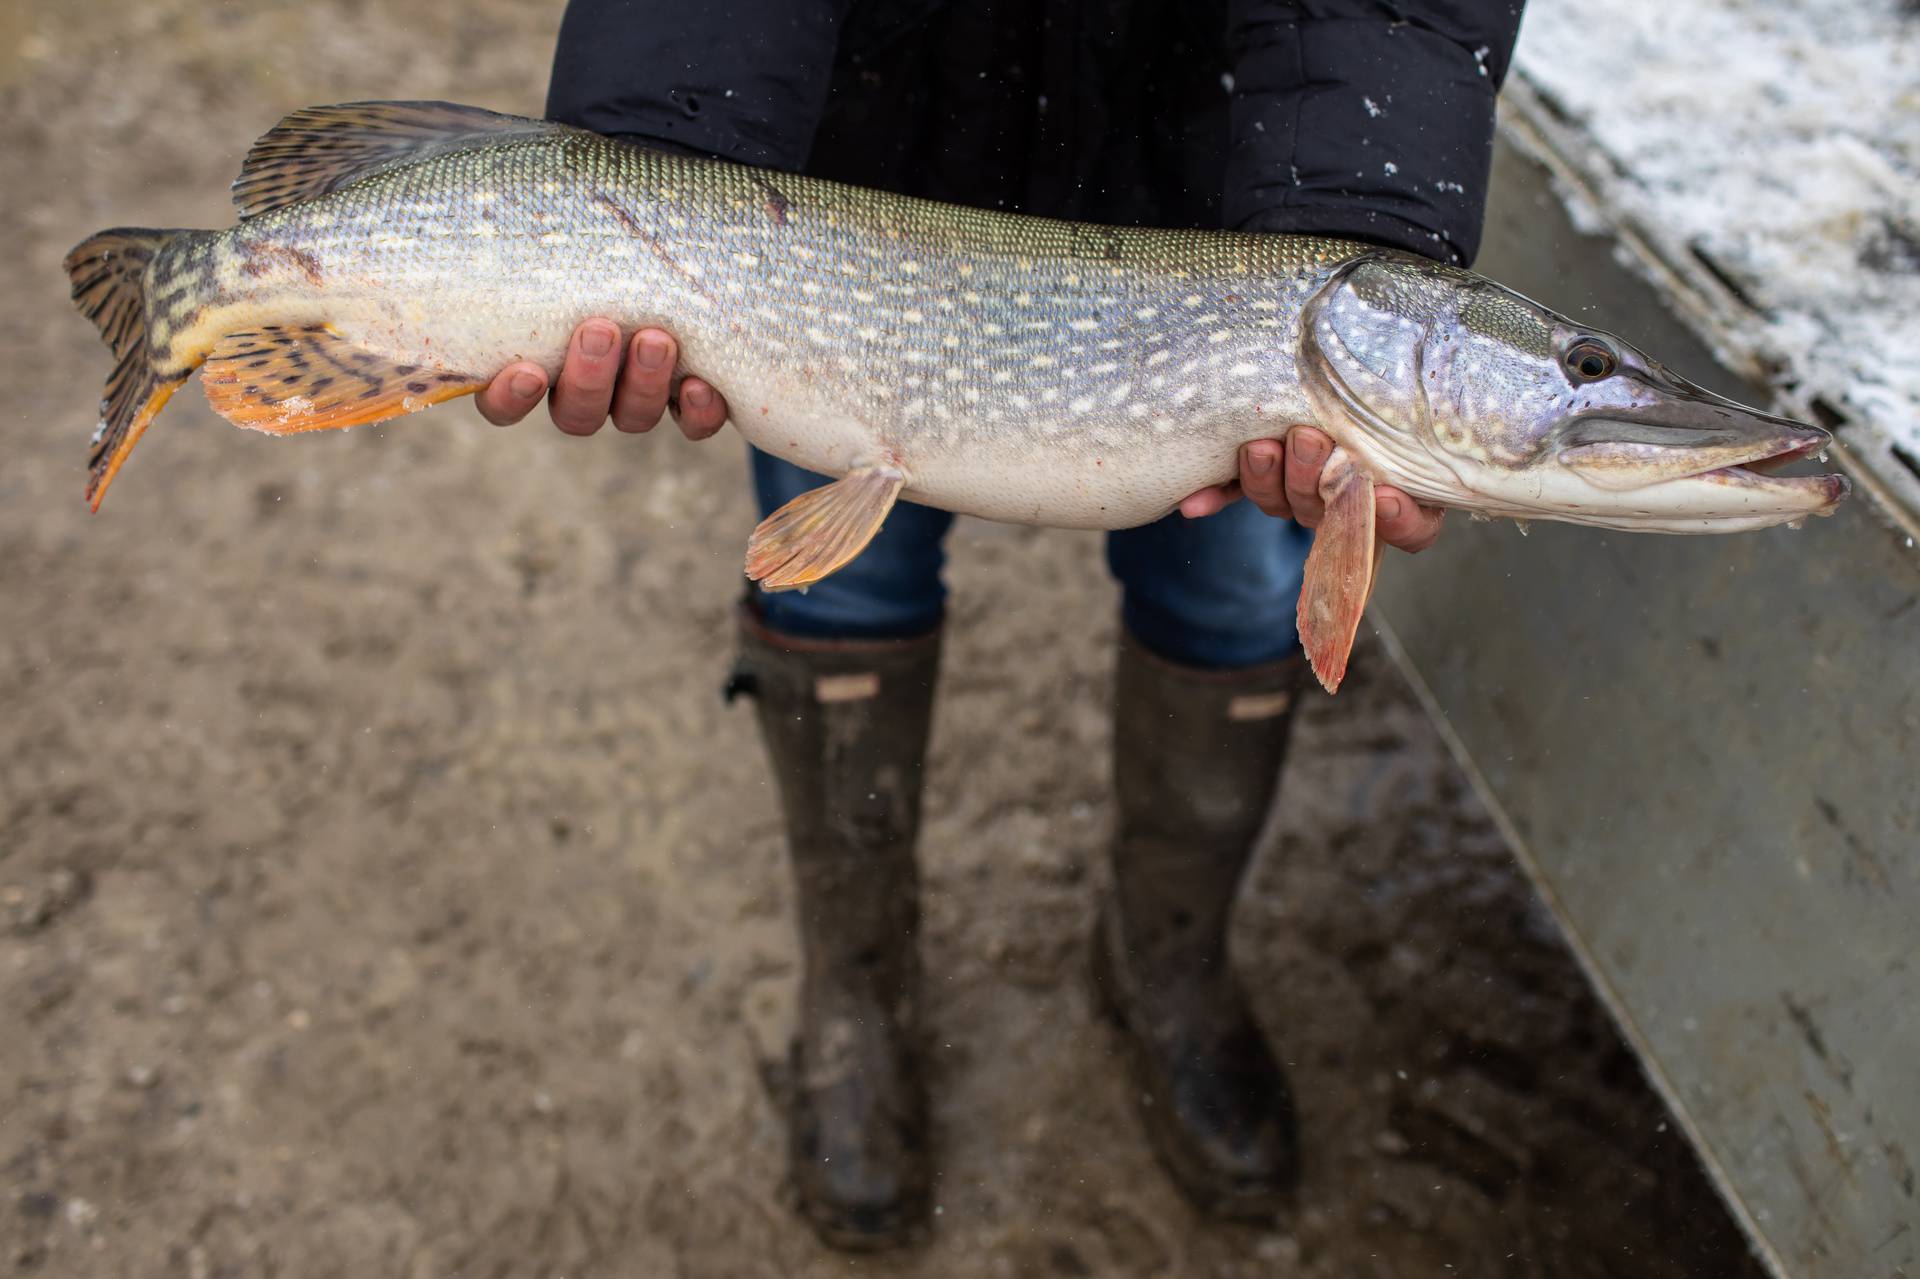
[(321, 149)]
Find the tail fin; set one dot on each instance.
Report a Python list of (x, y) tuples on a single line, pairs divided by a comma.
[(108, 272)]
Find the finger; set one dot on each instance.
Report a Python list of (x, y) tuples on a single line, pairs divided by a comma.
[(1210, 501), (1405, 523), (1307, 451), (512, 395), (1263, 474), (640, 397), (584, 392), (702, 410)]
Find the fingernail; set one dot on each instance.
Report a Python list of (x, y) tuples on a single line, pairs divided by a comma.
[(1307, 449), (699, 396), (653, 351), (1260, 461), (1390, 508), (598, 340), (525, 386)]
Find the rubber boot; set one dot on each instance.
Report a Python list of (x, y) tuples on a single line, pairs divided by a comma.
[(845, 725), (1197, 758)]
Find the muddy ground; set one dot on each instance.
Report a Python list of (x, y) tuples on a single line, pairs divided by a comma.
[(384, 889)]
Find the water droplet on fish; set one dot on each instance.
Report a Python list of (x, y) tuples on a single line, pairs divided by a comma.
[(1523, 526), (1796, 525)]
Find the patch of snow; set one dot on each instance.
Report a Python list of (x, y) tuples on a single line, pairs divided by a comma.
[(1778, 139)]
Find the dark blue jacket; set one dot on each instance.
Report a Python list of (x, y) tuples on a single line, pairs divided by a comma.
[(1366, 118)]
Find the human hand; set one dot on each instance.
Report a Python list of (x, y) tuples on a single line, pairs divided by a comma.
[(596, 380), (1283, 479)]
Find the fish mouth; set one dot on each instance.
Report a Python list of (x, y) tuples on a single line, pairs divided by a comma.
[(1696, 439), (1824, 491)]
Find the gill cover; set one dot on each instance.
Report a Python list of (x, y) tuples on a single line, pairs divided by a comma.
[(1365, 358)]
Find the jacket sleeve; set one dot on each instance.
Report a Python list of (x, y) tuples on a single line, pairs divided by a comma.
[(746, 81), (1371, 119)]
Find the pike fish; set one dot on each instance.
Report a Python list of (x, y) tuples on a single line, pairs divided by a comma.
[(392, 255)]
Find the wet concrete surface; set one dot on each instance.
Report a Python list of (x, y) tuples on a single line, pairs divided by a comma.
[(384, 889)]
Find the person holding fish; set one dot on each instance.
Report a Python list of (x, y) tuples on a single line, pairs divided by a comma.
[(1356, 118), (1063, 262)]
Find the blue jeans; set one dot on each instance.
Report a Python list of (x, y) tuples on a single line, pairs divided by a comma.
[(1218, 592)]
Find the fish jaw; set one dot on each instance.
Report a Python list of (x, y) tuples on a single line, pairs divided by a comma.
[(1726, 499), (1701, 460)]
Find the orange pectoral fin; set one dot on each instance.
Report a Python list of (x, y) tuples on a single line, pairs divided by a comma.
[(309, 378), (1340, 570)]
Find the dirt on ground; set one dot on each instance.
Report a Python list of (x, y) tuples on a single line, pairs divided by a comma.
[(385, 890)]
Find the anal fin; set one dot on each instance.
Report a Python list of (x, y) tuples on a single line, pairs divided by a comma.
[(1340, 570), (822, 530), (309, 378)]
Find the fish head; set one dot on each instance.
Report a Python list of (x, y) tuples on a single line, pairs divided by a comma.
[(1469, 394)]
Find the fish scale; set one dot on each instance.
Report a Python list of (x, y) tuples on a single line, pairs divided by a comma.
[(1032, 370), (393, 255)]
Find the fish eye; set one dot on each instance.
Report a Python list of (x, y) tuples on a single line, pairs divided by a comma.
[(1589, 360)]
